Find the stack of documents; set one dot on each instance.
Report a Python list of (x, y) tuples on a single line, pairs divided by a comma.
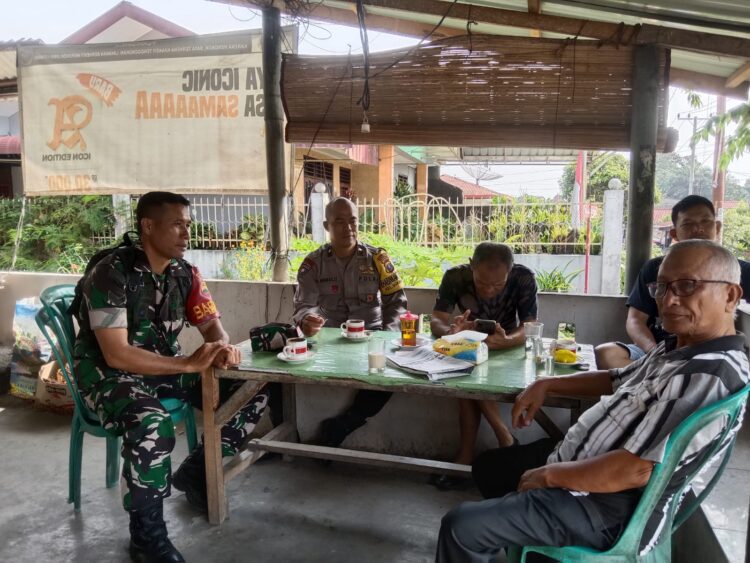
[(425, 361)]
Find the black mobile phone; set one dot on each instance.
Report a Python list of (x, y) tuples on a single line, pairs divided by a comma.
[(485, 325)]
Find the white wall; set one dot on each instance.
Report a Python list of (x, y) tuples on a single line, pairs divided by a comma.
[(408, 425)]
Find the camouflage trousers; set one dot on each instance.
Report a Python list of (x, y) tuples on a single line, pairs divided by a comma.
[(128, 405)]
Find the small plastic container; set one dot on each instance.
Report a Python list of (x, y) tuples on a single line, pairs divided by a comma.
[(409, 328)]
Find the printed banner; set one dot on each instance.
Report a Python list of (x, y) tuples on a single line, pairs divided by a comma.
[(183, 115)]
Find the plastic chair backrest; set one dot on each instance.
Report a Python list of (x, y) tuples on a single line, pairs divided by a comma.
[(729, 409), (54, 318)]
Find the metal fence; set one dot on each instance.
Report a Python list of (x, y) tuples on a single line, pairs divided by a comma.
[(225, 222)]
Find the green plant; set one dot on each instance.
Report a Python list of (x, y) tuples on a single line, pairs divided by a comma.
[(248, 262), (556, 279), (53, 226), (737, 230)]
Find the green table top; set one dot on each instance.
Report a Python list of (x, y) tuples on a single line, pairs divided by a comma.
[(506, 371)]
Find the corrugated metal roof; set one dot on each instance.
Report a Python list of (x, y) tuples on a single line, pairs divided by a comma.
[(514, 155), (8, 64), (720, 17), (471, 191)]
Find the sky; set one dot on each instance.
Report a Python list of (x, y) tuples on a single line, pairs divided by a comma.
[(53, 20)]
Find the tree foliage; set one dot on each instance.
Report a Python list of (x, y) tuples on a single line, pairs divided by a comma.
[(616, 166), (738, 142), (673, 179)]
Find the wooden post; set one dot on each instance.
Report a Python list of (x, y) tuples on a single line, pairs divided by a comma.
[(643, 127), (421, 182), (385, 184), (274, 120)]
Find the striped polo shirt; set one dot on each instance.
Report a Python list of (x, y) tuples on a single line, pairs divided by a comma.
[(651, 397)]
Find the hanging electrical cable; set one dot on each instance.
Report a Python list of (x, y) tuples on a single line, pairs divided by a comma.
[(364, 100)]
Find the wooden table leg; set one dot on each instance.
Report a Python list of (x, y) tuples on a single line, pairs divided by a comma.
[(217, 504), (289, 409), (543, 420)]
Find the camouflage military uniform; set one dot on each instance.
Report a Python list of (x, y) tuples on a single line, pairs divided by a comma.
[(154, 311), (365, 286)]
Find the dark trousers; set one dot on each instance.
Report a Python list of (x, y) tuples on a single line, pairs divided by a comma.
[(478, 531), (368, 403)]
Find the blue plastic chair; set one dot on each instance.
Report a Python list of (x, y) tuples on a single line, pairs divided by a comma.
[(59, 330), (626, 549)]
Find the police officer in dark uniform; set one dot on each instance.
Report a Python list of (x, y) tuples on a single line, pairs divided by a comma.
[(347, 279)]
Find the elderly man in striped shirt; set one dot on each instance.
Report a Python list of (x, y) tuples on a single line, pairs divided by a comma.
[(583, 490)]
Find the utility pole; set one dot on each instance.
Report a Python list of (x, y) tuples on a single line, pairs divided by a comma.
[(691, 181), (719, 175)]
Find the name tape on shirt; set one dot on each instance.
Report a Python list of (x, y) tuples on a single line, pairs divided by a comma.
[(389, 280), (200, 307)]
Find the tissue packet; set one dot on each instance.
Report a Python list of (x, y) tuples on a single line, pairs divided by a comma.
[(466, 345)]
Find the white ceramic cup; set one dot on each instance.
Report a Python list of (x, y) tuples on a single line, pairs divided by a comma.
[(355, 328), (295, 348)]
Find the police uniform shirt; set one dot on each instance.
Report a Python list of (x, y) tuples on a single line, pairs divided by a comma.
[(364, 286), (514, 304)]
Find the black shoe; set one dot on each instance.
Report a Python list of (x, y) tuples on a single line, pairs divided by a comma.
[(148, 537), (190, 478), (448, 482)]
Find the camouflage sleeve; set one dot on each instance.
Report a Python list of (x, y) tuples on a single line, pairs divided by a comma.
[(105, 295), (306, 294), (391, 290)]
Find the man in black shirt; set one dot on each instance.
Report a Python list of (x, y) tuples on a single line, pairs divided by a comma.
[(693, 217), (490, 287)]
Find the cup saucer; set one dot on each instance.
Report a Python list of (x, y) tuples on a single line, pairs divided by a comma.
[(297, 359), (366, 336)]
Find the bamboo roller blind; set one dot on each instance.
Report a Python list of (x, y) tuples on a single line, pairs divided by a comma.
[(482, 90)]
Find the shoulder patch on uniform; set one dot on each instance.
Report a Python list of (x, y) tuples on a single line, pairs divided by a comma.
[(390, 282), (308, 265)]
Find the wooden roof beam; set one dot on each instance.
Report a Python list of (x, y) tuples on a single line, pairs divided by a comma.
[(330, 14), (535, 7), (707, 83), (739, 76), (643, 34)]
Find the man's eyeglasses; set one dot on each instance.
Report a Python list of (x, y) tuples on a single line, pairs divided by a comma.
[(681, 288)]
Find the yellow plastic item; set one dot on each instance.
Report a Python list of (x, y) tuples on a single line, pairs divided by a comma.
[(565, 356)]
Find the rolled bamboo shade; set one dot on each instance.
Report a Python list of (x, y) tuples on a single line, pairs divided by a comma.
[(482, 90)]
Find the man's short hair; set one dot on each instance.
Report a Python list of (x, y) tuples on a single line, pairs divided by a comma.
[(724, 265), (688, 203), (335, 201), (493, 254), (149, 203)]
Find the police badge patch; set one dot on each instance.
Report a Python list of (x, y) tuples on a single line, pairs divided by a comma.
[(390, 282), (306, 266)]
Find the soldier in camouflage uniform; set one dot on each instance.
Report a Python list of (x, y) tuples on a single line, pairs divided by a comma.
[(136, 301), (347, 279)]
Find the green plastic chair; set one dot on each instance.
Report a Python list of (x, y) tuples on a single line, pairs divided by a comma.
[(59, 330), (627, 546)]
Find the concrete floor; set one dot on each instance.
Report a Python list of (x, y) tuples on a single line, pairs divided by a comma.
[(280, 512)]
